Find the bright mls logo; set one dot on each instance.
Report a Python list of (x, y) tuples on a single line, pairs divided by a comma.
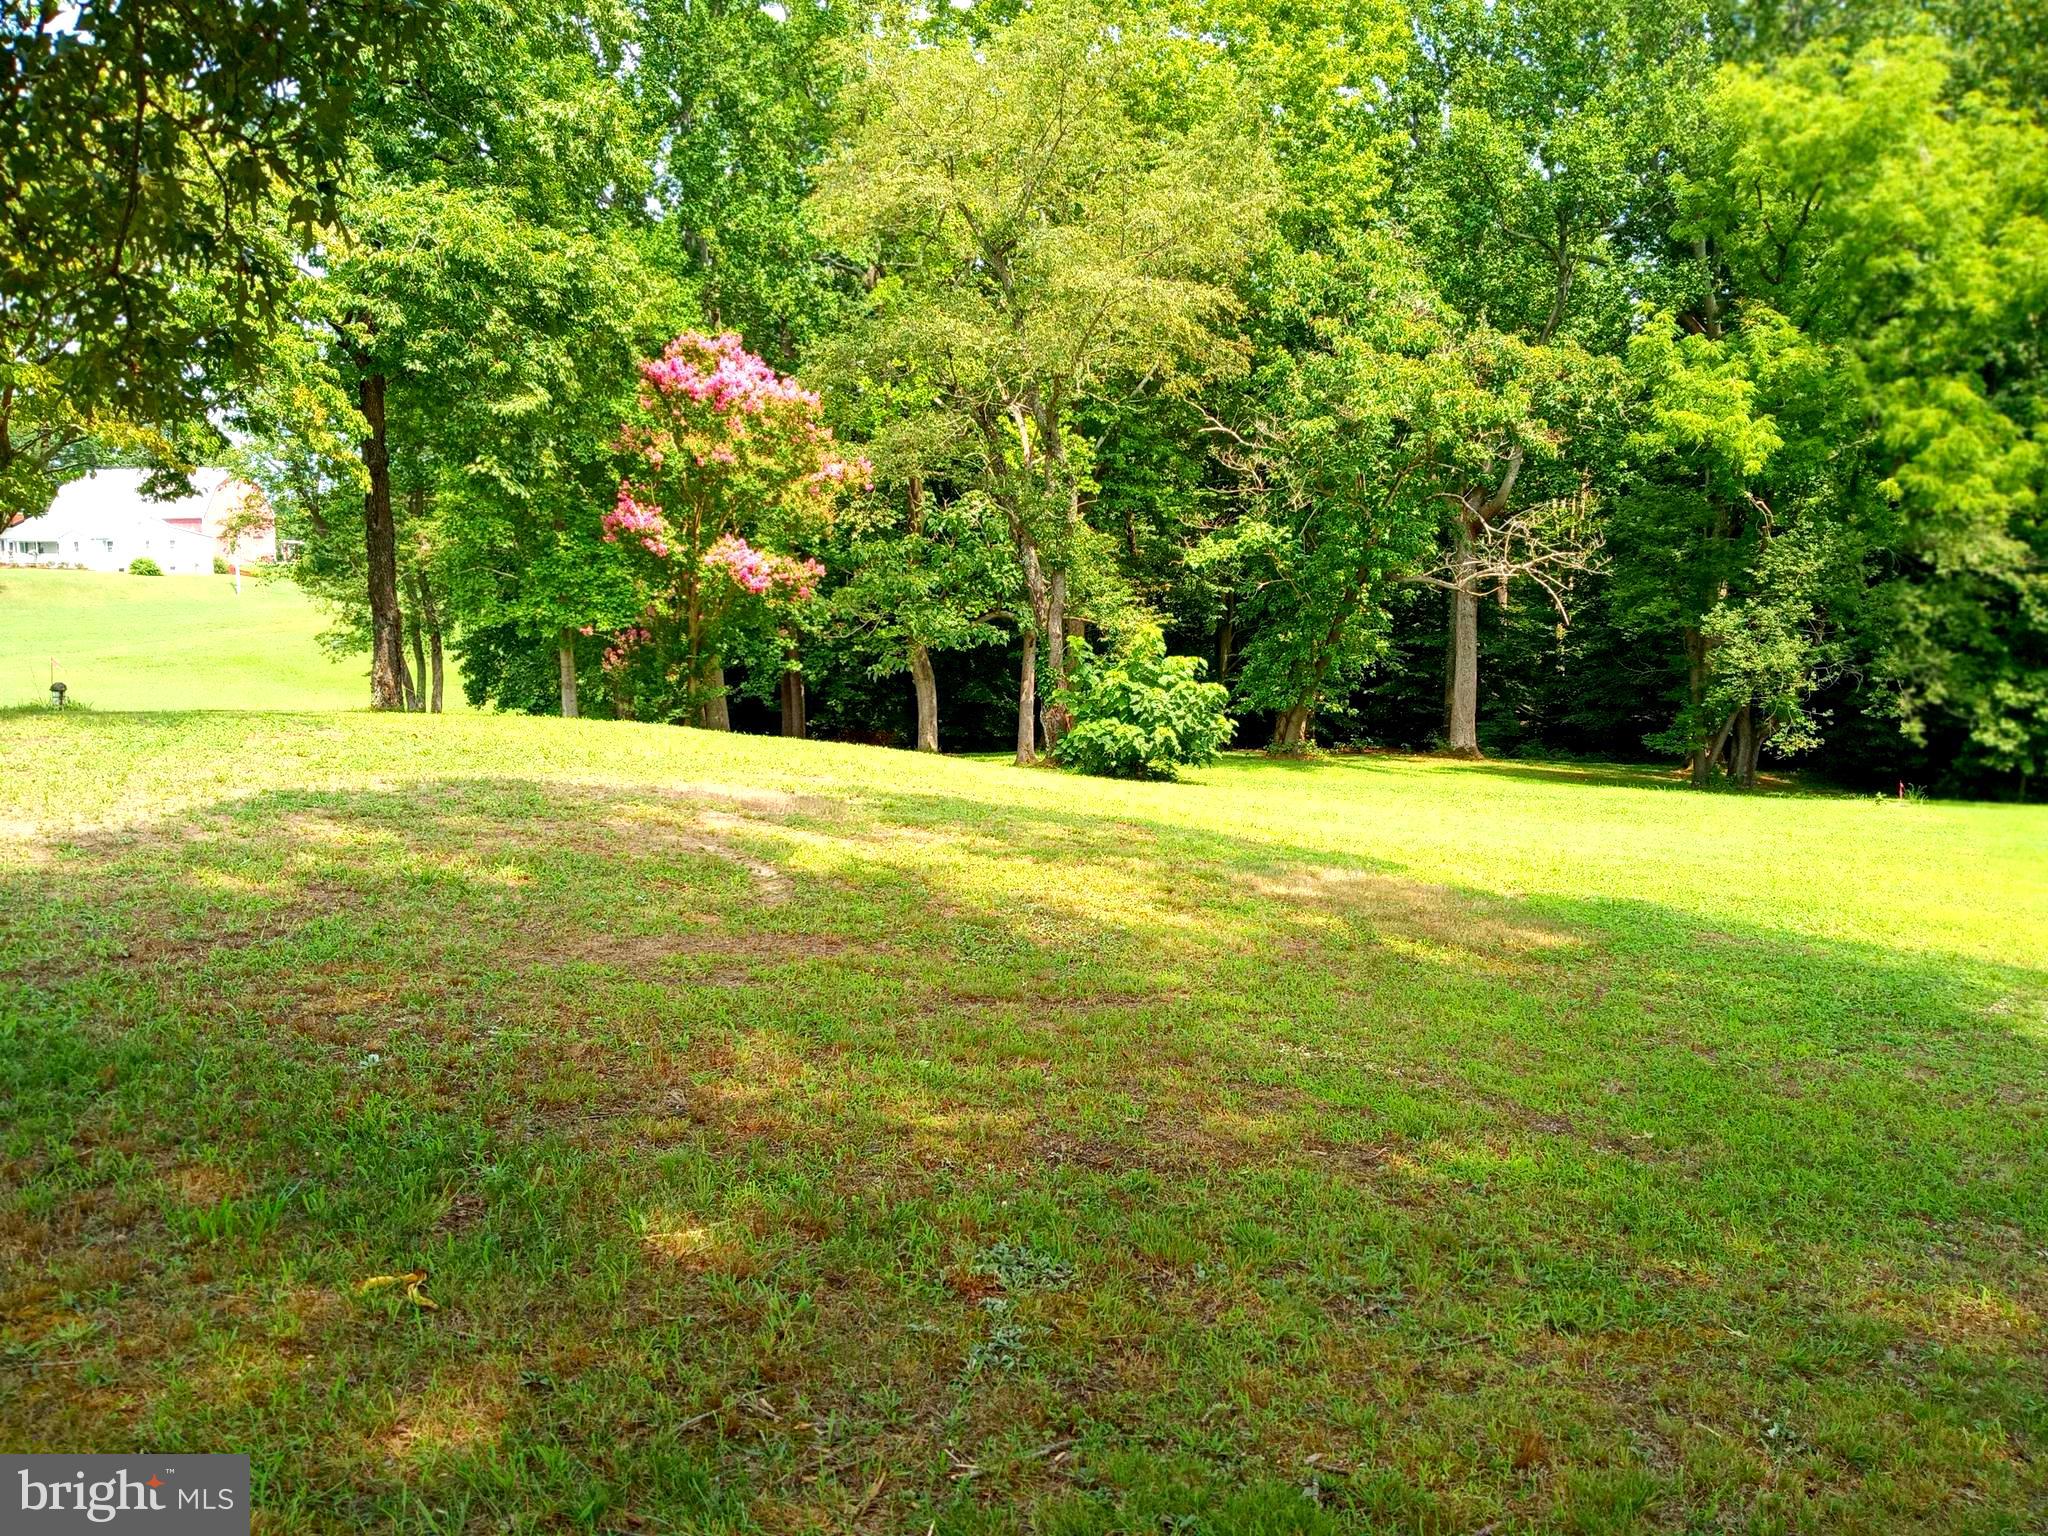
[(163, 1495)]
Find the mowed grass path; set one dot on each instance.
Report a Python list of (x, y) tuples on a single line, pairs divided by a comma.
[(171, 642), (798, 1137)]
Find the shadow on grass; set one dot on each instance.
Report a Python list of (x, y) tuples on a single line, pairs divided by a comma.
[(1592, 775), (1775, 786), (1600, 775), (703, 1113), (1554, 772)]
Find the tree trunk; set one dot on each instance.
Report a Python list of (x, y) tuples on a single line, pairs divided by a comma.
[(1056, 625), (1032, 625), (1696, 692), (921, 676), (1053, 717), (713, 714), (1710, 754), (927, 686), (1710, 309), (1226, 633), (430, 618), (380, 544), (1746, 744), (1027, 701), (793, 703), (1461, 685), (565, 655), (1290, 729), (1765, 730), (408, 689), (416, 684)]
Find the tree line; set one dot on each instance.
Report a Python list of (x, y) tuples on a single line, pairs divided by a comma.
[(1573, 375)]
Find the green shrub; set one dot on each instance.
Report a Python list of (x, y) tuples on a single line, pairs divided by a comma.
[(142, 565), (220, 565), (1142, 715)]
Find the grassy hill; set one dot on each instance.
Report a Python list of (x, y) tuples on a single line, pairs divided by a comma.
[(792, 1136), (169, 642)]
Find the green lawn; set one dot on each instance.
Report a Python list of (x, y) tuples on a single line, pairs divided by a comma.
[(800, 1137), (170, 642)]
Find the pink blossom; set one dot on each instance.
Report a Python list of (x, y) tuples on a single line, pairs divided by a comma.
[(622, 647), (720, 371), (633, 516), (746, 565), (761, 571), (833, 471)]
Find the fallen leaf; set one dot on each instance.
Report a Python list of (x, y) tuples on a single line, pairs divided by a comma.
[(874, 1492), (412, 1280)]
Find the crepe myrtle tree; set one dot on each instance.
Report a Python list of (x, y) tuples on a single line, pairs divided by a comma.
[(733, 465)]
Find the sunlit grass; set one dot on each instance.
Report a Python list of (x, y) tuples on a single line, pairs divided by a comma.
[(171, 642), (800, 1137)]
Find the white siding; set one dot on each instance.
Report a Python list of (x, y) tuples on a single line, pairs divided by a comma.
[(104, 523)]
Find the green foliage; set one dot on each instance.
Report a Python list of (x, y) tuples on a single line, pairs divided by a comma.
[(919, 572), (739, 102), (501, 666), (1699, 350), (1346, 434), (160, 166), (1052, 215), (1142, 714), (496, 283), (1734, 536), (507, 348), (142, 565), (1322, 73), (1889, 243)]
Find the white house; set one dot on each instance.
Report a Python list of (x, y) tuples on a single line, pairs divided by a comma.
[(105, 523)]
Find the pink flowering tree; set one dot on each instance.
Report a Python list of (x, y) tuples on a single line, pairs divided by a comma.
[(735, 469)]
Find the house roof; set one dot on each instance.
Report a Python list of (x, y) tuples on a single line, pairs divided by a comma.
[(110, 502)]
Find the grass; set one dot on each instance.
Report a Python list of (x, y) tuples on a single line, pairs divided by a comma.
[(170, 642), (797, 1137)]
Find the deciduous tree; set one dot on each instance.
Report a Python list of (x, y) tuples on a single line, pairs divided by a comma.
[(1051, 212), (145, 152)]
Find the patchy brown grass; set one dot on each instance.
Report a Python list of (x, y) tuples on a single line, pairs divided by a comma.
[(704, 1108)]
